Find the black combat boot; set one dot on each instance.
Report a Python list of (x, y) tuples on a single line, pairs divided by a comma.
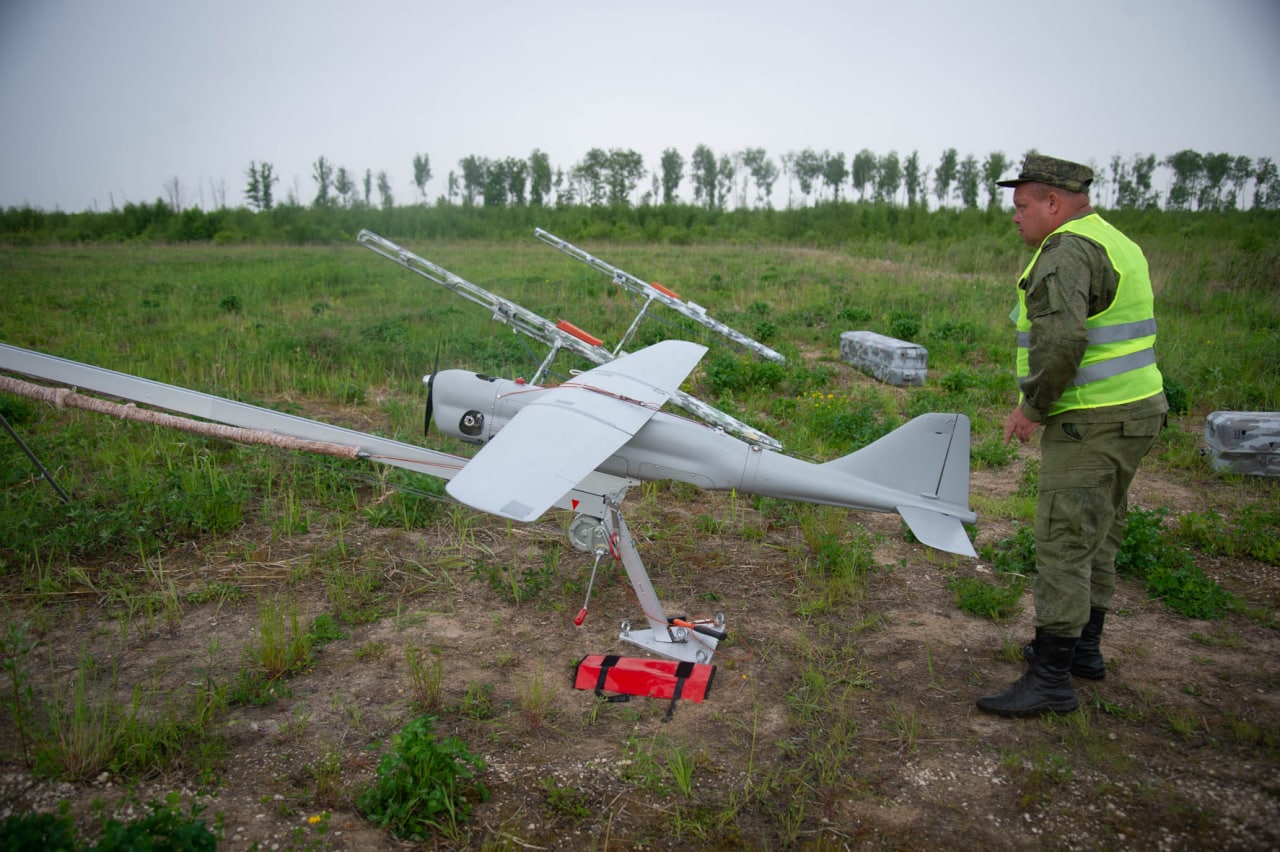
[(1046, 684), (1087, 662)]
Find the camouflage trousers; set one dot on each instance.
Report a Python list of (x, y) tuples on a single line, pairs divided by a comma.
[(1085, 472)]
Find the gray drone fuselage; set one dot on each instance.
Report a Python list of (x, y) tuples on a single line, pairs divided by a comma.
[(919, 471)]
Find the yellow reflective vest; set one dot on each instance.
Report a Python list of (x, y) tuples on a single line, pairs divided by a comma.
[(1119, 363)]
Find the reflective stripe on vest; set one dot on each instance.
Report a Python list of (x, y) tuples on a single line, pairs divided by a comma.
[(1119, 363)]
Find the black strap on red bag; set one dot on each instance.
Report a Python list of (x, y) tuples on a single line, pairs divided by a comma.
[(607, 663)]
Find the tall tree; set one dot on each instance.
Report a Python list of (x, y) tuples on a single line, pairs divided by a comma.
[(368, 187), (539, 178), (1266, 185), (344, 186), (945, 175), (565, 196), (589, 175), (672, 165), (421, 174), (808, 168), (788, 170), (888, 177), (384, 191), (864, 172), (1144, 169), (624, 169), (725, 172), (322, 174), (517, 174), (967, 180), (763, 173), (267, 179), (496, 187), (913, 178), (993, 168), (1216, 169), (1119, 181), (173, 191), (473, 177), (253, 189), (702, 169), (834, 172), (1241, 172), (1188, 174)]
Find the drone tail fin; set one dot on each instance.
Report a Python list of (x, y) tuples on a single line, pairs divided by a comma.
[(927, 460)]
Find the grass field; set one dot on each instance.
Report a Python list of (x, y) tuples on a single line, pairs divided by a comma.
[(253, 625)]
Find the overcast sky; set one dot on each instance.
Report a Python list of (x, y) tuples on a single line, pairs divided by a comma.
[(103, 102)]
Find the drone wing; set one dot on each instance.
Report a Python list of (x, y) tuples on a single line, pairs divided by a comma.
[(567, 431)]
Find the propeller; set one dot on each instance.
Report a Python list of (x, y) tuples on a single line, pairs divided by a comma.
[(435, 368)]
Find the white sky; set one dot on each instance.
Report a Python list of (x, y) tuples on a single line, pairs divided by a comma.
[(102, 102)]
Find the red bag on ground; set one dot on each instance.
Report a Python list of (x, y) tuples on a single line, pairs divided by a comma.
[(629, 676)]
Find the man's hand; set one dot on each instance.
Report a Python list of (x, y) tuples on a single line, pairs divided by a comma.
[(1019, 424)]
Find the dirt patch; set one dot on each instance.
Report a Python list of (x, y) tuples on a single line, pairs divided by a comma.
[(834, 721)]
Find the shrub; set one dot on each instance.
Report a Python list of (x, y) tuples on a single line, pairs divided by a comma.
[(422, 786), (1014, 555), (996, 601), (166, 827), (904, 326), (1177, 395), (1167, 571), (729, 373)]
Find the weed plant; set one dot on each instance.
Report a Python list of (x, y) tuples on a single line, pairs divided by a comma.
[(1167, 569), (85, 731), (565, 803), (535, 699), (282, 648), (1149, 553), (16, 646), (168, 826), (424, 787), (426, 678), (998, 601)]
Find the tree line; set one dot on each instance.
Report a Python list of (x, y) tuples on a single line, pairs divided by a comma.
[(751, 178)]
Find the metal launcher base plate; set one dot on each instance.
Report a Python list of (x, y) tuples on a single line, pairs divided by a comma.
[(677, 643)]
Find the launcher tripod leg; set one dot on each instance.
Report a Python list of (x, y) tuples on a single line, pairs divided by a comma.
[(691, 643), (44, 472)]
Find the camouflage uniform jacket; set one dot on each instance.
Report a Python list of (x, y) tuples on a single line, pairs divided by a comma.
[(1072, 280)]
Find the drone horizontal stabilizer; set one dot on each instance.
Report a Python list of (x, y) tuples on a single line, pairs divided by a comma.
[(944, 532), (566, 432)]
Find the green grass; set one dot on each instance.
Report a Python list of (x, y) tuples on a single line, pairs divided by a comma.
[(337, 326), (335, 332)]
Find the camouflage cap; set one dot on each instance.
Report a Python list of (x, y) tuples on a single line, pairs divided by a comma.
[(1063, 174)]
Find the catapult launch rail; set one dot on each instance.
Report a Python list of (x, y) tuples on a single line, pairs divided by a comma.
[(599, 525), (656, 293), (561, 335)]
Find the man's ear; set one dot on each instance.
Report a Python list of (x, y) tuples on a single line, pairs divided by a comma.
[(1053, 200)]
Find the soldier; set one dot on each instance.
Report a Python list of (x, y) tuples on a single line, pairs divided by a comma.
[(1087, 373)]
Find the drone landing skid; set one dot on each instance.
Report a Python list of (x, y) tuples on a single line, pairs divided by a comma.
[(673, 637)]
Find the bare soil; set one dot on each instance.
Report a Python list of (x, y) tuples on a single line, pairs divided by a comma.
[(853, 727)]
